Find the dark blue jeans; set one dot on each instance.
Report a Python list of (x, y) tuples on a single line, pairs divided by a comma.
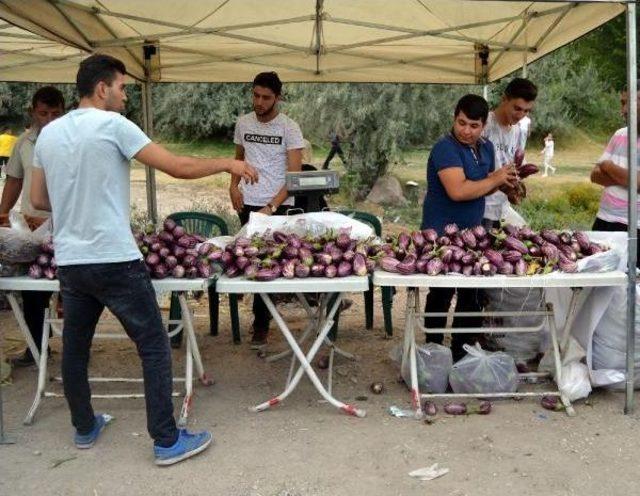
[(125, 289)]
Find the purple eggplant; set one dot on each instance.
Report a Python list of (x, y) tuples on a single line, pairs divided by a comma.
[(550, 251), (446, 254), (404, 240), (170, 261), (455, 408), (469, 238), (567, 265), (550, 236), (178, 232), (479, 231), (189, 261), (568, 252), (370, 263), (49, 273), (512, 243), (317, 270), (191, 273), (205, 248), (179, 252), (242, 262), (443, 241), (518, 157), (593, 249), (417, 239), (302, 271), (336, 255), (421, 265), (484, 243), (330, 271), (169, 225), (43, 260), (430, 409), (178, 272), (323, 259), (494, 257), (251, 271), (344, 269), (506, 269), (152, 259), (343, 241), (279, 237), (187, 241), (511, 256), (468, 258), (164, 252), (156, 247), (359, 265), (294, 240), (520, 268), (430, 235), (160, 271), (451, 229), (251, 251), (35, 271), (348, 255), (467, 270), (389, 264), (267, 274), (165, 237), (290, 252), (407, 266), (288, 269), (204, 269), (434, 267), (215, 256), (526, 232), (534, 250), (455, 268)]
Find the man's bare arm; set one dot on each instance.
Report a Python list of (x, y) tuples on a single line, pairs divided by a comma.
[(183, 167), (39, 195), (10, 194)]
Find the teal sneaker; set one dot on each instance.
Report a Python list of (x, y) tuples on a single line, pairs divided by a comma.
[(86, 441), (187, 445)]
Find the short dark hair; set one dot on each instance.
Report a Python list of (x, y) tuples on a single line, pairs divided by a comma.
[(269, 80), (48, 95), (474, 107), (521, 88), (97, 68)]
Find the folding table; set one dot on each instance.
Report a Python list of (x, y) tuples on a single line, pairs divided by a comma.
[(52, 323), (320, 320), (414, 315)]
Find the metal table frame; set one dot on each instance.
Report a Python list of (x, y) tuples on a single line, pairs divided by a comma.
[(319, 323), (55, 325), (414, 315)]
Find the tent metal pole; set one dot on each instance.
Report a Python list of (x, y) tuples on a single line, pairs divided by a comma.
[(632, 123), (147, 116)]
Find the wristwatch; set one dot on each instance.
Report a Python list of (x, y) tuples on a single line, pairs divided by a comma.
[(272, 207)]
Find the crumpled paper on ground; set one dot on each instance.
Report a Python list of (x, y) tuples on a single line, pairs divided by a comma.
[(429, 473)]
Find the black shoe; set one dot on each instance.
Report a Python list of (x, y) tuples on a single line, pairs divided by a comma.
[(24, 360), (259, 338)]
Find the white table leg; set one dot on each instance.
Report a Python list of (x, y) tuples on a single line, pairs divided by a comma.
[(22, 325), (191, 335), (42, 369), (571, 316), (305, 366)]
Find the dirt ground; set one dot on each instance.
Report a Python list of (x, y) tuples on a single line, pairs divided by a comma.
[(303, 447)]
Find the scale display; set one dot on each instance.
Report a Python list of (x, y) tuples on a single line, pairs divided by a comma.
[(324, 181)]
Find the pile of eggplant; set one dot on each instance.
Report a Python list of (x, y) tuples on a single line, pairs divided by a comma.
[(275, 254), (507, 250)]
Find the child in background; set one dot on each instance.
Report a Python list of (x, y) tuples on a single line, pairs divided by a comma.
[(547, 152)]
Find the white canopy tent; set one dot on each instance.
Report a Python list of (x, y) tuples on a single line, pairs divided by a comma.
[(417, 41)]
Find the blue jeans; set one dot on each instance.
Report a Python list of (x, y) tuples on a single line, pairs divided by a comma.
[(125, 289)]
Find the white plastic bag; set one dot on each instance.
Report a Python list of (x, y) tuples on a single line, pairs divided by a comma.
[(521, 346), (314, 223), (433, 363), (481, 371), (574, 382)]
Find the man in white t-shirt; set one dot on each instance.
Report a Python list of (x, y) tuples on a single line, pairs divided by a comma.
[(503, 130), (273, 144), (81, 175), (612, 171)]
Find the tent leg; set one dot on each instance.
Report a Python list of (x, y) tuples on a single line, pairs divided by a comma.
[(150, 173), (632, 243)]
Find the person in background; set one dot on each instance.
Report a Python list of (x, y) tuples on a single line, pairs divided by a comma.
[(7, 142), (611, 171), (503, 130), (461, 172), (273, 143), (335, 139), (81, 173), (547, 154), (47, 104)]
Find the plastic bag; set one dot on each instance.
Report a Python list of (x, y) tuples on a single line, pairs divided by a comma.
[(314, 223), (574, 382), (433, 363), (17, 246), (481, 371), (521, 346)]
